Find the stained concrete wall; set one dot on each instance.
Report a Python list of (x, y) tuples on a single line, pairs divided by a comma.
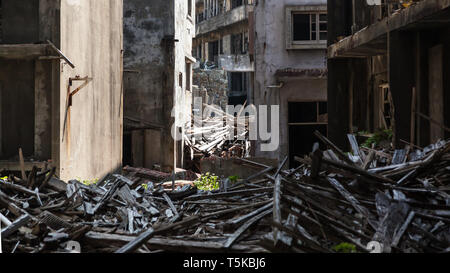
[(158, 42), (184, 33), (271, 55), (91, 37)]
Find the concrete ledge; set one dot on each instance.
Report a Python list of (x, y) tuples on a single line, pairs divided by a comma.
[(371, 40), (236, 63), (24, 51), (293, 73), (15, 166), (229, 18)]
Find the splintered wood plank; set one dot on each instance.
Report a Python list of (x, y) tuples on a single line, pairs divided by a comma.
[(277, 206), (336, 149), (171, 205), (233, 238), (369, 159), (20, 222), (357, 170), (355, 148), (22, 165), (355, 203), (145, 236), (239, 220), (401, 231)]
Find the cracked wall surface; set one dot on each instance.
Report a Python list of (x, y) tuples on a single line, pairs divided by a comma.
[(271, 55)]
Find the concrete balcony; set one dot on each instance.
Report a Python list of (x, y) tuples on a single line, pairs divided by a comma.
[(223, 20), (236, 63), (24, 51), (372, 40)]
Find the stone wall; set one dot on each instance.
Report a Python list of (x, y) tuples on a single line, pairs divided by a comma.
[(212, 86)]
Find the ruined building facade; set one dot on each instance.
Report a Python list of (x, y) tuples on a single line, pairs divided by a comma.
[(157, 80), (389, 67), (60, 86), (223, 42), (290, 71)]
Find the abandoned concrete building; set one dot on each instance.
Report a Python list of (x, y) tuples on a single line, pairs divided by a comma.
[(389, 68), (157, 80), (290, 71), (60, 86), (223, 42)]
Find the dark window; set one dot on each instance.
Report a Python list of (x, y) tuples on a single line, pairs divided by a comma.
[(180, 80), (304, 119), (236, 3), (213, 51), (302, 112), (189, 7), (1, 17), (308, 112), (236, 44), (309, 27), (237, 82), (188, 76), (301, 27)]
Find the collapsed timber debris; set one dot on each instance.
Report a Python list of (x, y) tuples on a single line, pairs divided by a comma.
[(360, 202), (219, 134)]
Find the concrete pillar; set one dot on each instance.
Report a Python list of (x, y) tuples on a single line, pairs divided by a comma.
[(436, 91), (402, 81), (338, 101), (42, 129), (339, 24), (1, 107)]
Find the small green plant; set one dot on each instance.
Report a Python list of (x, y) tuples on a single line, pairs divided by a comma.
[(89, 182), (145, 186), (233, 179), (208, 182), (4, 178), (378, 137), (345, 248)]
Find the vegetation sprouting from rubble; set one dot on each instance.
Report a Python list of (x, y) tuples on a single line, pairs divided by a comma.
[(208, 182)]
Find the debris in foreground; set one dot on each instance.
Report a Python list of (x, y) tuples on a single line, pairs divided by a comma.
[(360, 202)]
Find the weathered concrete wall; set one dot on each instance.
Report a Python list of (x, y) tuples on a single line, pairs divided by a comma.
[(311, 90), (148, 77), (146, 23), (158, 45), (271, 55), (91, 37), (184, 33)]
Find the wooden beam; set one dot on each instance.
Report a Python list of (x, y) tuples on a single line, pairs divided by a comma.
[(20, 222), (15, 166)]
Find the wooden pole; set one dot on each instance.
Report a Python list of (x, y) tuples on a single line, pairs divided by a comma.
[(413, 116), (22, 165)]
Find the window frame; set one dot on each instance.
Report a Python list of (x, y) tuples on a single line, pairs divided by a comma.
[(289, 28)]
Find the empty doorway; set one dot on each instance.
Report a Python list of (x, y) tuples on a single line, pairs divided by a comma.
[(304, 119)]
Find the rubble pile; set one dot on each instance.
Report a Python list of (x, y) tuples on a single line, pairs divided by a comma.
[(223, 136), (333, 202)]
